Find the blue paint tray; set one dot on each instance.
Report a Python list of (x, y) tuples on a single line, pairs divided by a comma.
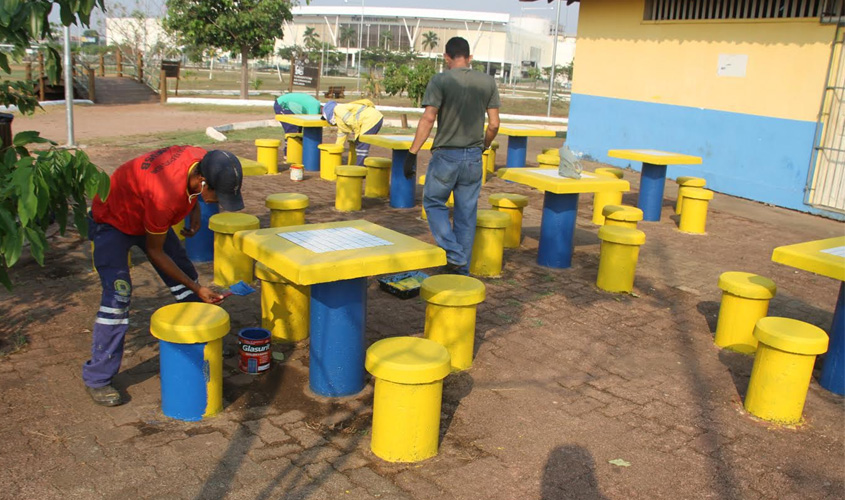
[(403, 285)]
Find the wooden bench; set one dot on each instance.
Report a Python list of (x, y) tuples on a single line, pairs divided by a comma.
[(336, 92)]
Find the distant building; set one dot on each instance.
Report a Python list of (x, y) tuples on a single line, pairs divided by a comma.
[(754, 87), (497, 40), (146, 33)]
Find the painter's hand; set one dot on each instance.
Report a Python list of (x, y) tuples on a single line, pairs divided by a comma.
[(410, 165), (189, 232), (208, 295)]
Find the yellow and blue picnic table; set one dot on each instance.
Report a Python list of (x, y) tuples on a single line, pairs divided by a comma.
[(312, 136), (401, 188), (653, 175), (518, 141), (335, 259), (560, 207), (827, 258)]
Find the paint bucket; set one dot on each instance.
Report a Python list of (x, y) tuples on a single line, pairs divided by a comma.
[(254, 350), (296, 173)]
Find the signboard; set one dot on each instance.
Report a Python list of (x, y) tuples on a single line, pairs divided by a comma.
[(304, 73), (170, 68)]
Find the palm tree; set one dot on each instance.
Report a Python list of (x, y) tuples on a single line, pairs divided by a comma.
[(387, 37), (345, 37), (310, 37), (430, 41)]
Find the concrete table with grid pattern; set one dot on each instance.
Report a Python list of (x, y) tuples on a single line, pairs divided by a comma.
[(825, 257), (653, 175), (560, 207), (312, 136), (401, 188), (518, 141), (335, 259)]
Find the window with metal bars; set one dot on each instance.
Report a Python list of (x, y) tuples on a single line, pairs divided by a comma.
[(682, 10)]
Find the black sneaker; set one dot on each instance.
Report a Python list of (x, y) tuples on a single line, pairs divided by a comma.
[(455, 269), (105, 396)]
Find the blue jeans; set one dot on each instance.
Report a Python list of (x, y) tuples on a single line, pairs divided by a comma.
[(458, 171), (111, 248)]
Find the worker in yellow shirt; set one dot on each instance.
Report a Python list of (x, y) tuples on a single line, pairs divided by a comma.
[(354, 119)]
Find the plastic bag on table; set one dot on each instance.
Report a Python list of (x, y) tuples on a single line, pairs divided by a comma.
[(570, 165)]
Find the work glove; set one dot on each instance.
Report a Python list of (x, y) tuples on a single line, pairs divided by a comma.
[(410, 166)]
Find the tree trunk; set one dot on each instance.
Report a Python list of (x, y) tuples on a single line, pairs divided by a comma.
[(244, 73)]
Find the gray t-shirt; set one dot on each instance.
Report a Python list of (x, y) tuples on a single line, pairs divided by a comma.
[(462, 97)]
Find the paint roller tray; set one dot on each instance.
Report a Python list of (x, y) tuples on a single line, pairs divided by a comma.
[(403, 285)]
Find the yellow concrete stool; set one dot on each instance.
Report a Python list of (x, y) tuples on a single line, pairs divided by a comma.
[(694, 210), (605, 198), (486, 158), (622, 215), (511, 204), (251, 167), (548, 161), (783, 367), (489, 245), (552, 151), (190, 358), (745, 299), (616, 172), (686, 181), (331, 156), (268, 154), (293, 152), (286, 209), (348, 190), (285, 306), (491, 166), (620, 249), (352, 156), (230, 264), (450, 314), (377, 184), (409, 374), (449, 203)]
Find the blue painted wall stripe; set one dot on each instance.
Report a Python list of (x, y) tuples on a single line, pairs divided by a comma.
[(761, 158)]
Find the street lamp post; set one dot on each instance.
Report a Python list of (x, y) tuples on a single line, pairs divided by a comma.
[(554, 61)]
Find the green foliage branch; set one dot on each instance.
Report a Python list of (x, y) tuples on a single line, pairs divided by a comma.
[(49, 184)]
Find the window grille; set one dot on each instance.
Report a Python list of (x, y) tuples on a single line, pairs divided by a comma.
[(683, 10)]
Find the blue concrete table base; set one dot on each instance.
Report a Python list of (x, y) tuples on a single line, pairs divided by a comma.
[(833, 370), (311, 138), (200, 247), (652, 182), (401, 187), (338, 315), (186, 370), (517, 148), (557, 229)]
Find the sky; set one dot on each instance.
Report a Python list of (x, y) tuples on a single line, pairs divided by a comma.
[(539, 8)]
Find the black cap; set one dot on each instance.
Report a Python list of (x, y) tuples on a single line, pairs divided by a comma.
[(222, 170)]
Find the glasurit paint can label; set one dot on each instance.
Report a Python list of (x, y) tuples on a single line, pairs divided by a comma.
[(254, 350)]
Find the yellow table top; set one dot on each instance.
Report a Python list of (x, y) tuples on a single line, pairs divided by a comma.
[(393, 141), (810, 256), (525, 131), (303, 120), (305, 267), (547, 179), (654, 156)]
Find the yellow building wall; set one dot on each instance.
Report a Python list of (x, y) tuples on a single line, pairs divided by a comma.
[(675, 62)]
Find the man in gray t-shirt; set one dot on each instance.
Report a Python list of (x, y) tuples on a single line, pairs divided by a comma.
[(457, 100)]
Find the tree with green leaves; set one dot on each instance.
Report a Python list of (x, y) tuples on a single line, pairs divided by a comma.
[(311, 38), (40, 186), (245, 27), (418, 78), (430, 41)]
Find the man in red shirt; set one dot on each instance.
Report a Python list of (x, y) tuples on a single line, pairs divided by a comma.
[(148, 195)]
